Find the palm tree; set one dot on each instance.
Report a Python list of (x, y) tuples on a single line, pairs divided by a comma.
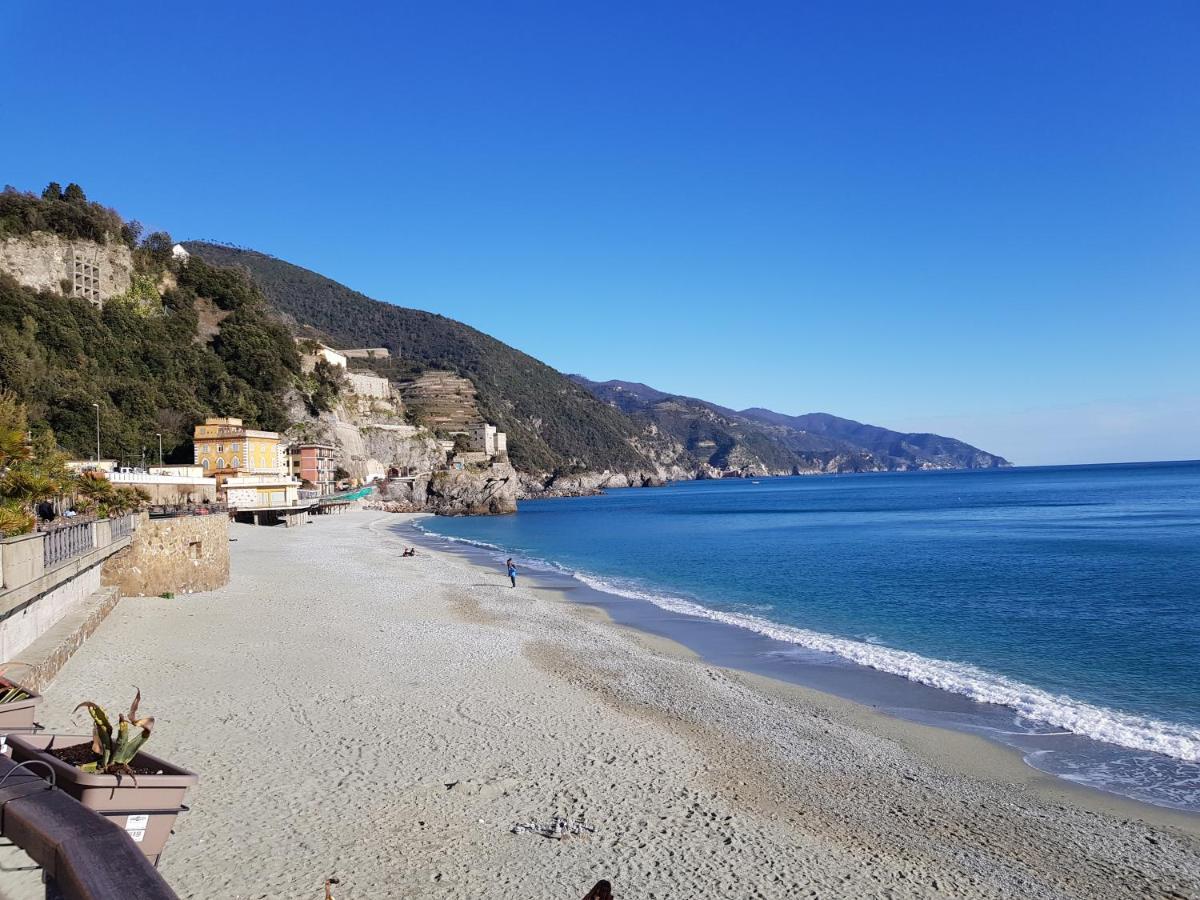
[(14, 442), (27, 487)]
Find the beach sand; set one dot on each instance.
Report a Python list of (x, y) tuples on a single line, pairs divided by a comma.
[(387, 721)]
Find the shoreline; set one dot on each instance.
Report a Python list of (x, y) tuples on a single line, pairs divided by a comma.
[(971, 754), (387, 721)]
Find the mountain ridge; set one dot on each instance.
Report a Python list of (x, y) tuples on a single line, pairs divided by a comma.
[(731, 441), (569, 428)]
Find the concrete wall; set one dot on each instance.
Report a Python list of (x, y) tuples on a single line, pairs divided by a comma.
[(33, 600), (43, 261), (369, 385), (23, 627), (181, 555), (169, 488)]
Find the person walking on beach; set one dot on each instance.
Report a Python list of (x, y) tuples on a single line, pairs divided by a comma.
[(512, 572)]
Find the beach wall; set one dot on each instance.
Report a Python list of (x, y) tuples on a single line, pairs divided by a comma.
[(178, 556)]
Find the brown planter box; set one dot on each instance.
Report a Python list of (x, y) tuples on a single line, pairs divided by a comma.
[(18, 715), (146, 811)]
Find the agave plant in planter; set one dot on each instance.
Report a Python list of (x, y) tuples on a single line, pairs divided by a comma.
[(18, 705), (114, 749), (109, 772)]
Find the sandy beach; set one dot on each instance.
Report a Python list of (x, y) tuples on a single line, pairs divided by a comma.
[(386, 721)]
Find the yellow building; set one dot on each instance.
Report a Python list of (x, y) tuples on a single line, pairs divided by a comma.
[(224, 447)]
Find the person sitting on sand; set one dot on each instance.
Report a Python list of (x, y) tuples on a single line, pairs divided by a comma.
[(512, 572)]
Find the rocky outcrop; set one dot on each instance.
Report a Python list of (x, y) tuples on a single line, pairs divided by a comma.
[(374, 442), (586, 484), (370, 434), (474, 491), (48, 262)]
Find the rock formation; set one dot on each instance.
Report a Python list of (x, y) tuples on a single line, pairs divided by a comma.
[(49, 262)]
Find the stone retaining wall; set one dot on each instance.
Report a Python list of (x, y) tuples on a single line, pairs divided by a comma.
[(179, 556), (49, 262)]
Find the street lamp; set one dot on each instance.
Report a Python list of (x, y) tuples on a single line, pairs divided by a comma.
[(160, 462), (97, 405)]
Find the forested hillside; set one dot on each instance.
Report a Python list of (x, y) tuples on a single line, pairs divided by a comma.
[(142, 357), (552, 423), (724, 438)]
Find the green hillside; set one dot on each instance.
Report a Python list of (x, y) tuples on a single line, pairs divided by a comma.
[(720, 437), (143, 358), (552, 423)]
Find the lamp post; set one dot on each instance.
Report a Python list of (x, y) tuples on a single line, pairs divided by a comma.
[(160, 462), (97, 405)]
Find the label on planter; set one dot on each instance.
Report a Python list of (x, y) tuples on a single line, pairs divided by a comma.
[(136, 827)]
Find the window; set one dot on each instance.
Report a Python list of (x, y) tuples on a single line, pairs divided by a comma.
[(204, 463), (220, 463), (220, 448), (233, 448), (236, 462)]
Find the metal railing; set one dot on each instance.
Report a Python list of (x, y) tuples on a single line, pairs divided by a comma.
[(177, 510), (67, 542)]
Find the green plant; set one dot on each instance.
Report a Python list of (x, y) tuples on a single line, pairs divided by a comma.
[(142, 297), (14, 519), (27, 487), (14, 444), (115, 747), (13, 694)]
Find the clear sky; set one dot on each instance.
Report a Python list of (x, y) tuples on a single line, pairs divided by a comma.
[(975, 218)]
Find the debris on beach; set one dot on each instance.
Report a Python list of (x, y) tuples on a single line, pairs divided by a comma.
[(557, 828)]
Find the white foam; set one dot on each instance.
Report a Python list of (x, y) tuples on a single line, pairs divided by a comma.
[(1096, 722)]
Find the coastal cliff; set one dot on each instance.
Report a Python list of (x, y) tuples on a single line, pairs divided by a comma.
[(215, 331), (568, 435), (718, 442), (375, 441)]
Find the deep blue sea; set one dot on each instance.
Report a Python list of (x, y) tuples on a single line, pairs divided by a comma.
[(1065, 599)]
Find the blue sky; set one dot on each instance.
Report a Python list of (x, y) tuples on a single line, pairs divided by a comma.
[(981, 219)]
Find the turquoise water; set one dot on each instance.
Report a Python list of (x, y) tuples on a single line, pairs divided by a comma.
[(1067, 595)]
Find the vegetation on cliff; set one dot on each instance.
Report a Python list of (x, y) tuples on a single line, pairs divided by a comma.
[(33, 469), (552, 423), (150, 368), (65, 212)]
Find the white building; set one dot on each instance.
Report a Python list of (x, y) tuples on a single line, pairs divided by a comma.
[(261, 491), (168, 485), (309, 361)]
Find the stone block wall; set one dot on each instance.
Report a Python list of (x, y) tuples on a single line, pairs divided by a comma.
[(180, 556), (46, 261)]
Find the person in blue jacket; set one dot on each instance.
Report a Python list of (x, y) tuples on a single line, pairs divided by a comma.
[(512, 572)]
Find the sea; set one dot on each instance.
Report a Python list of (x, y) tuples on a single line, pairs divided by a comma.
[(1053, 609)]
